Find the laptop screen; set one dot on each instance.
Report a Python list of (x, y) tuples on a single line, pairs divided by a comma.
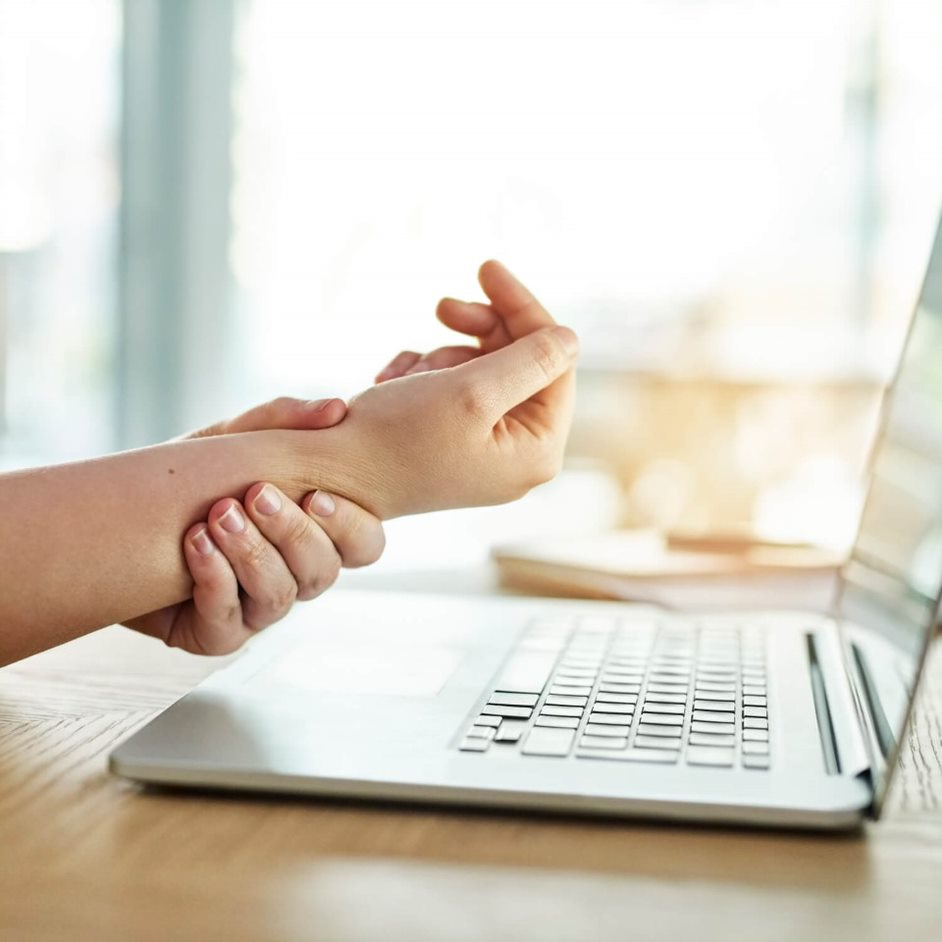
[(894, 576)]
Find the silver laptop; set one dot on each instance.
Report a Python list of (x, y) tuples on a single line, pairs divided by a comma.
[(770, 717)]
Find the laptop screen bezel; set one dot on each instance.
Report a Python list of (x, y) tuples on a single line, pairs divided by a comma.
[(883, 767)]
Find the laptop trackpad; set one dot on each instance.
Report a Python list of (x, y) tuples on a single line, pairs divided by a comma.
[(385, 671)]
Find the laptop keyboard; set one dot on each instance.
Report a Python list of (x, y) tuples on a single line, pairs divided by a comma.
[(595, 688)]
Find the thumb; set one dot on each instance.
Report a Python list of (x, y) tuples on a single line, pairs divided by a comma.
[(515, 373), (282, 413)]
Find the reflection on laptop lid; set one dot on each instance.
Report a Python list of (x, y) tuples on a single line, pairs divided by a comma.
[(893, 579)]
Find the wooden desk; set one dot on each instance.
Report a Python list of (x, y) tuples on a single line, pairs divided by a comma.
[(84, 855)]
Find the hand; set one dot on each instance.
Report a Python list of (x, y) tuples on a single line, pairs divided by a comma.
[(271, 549), (465, 426), (513, 314)]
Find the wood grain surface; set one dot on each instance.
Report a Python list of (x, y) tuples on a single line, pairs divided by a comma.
[(84, 855)]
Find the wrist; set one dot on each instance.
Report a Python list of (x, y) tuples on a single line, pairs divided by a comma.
[(332, 460)]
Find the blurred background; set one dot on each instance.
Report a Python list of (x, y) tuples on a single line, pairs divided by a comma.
[(207, 203)]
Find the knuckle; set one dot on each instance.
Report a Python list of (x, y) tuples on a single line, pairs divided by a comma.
[(474, 400), (255, 553), (298, 532), (281, 403), (321, 581), (363, 540), (277, 600), (231, 613), (547, 353)]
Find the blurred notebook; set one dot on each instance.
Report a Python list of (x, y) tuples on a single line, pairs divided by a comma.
[(647, 566)]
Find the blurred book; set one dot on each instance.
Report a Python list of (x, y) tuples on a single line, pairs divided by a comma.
[(677, 571)]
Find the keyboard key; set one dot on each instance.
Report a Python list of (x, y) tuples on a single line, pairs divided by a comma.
[(571, 680), (561, 711), (526, 672), (668, 670), (617, 698), (752, 722), (556, 700), (557, 722), (652, 729), (754, 701), (623, 708), (494, 721), (481, 732), (712, 739), (717, 706), (755, 735), (711, 716), (563, 690), (755, 762), (662, 719), (667, 688), (655, 697), (715, 687), (514, 699), (474, 744), (602, 742), (705, 755), (755, 748), (760, 712), (619, 688), (612, 719), (671, 680), (655, 756), (754, 690), (715, 695), (510, 731), (678, 709), (545, 741), (714, 728), (600, 729), (656, 742), (522, 713)]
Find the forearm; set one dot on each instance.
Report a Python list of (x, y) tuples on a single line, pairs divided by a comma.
[(89, 544)]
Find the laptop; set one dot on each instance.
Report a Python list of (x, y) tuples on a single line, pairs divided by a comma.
[(780, 718)]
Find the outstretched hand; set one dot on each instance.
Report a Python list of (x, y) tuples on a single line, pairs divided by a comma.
[(467, 425)]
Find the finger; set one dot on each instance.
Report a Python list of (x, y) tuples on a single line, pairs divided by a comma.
[(443, 358), (499, 381), (269, 588), (521, 311), (304, 547), (285, 413), (212, 623), (468, 317), (397, 366), (355, 532)]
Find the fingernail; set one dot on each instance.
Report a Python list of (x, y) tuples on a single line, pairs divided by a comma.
[(232, 520), (323, 504), (321, 404), (568, 339), (267, 501), (202, 543)]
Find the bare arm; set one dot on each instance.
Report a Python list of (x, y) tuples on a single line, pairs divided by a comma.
[(88, 544)]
